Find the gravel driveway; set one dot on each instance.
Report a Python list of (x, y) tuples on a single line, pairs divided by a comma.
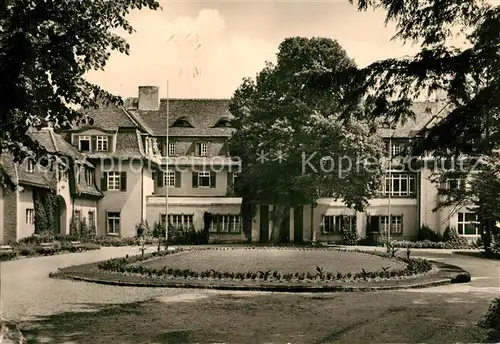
[(56, 311)]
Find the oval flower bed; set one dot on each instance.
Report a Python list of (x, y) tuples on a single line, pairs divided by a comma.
[(132, 266)]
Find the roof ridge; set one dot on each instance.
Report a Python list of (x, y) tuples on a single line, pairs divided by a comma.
[(53, 139)]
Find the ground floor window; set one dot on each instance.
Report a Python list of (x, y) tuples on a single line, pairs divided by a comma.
[(30, 216), (467, 224), (396, 226), (113, 223), (91, 219), (179, 221), (225, 223), (333, 224)]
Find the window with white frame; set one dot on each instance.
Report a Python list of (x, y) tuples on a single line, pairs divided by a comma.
[(396, 226), (332, 224), (171, 148), (204, 179), (180, 221), (30, 166), (84, 143), (114, 181), (396, 149), (399, 184), (468, 224), (113, 223), (102, 143), (201, 149), (30, 216), (169, 178), (225, 223)]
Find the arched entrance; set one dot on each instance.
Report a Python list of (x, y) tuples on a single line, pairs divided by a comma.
[(60, 216)]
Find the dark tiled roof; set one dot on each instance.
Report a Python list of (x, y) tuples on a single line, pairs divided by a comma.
[(424, 113), (128, 146), (108, 117), (202, 114), (38, 178)]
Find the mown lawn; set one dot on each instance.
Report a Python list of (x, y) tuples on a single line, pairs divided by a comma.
[(286, 261)]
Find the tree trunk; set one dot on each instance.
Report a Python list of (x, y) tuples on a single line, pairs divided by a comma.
[(278, 215), (247, 212)]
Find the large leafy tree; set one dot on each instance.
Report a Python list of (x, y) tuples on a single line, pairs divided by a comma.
[(292, 145), (46, 47), (469, 76)]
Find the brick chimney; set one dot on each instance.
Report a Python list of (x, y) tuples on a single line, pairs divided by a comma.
[(149, 98)]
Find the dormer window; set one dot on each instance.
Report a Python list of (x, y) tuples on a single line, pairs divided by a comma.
[(182, 122), (223, 123), (84, 143), (201, 149), (102, 143), (171, 149), (30, 166)]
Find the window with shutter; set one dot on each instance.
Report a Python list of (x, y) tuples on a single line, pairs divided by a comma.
[(177, 179), (123, 181), (104, 181), (195, 179)]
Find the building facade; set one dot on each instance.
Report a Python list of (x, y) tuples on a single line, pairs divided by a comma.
[(152, 147), (70, 180)]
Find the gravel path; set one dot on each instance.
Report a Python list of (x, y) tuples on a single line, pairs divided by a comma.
[(28, 292)]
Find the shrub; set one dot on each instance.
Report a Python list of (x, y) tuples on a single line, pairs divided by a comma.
[(25, 250), (426, 233), (418, 266), (491, 320), (461, 278), (349, 237), (5, 256)]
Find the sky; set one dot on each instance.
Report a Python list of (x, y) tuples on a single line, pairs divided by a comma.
[(205, 48)]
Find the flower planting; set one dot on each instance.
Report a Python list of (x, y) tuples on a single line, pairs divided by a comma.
[(127, 266)]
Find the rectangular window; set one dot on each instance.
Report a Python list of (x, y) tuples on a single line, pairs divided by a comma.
[(84, 143), (398, 184), (113, 223), (30, 166), (396, 224), (169, 178), (171, 148), (201, 149), (180, 221), (30, 216), (225, 223), (396, 149), (102, 143), (467, 224), (91, 219), (455, 183), (78, 216), (333, 224), (89, 176), (114, 181), (204, 179)]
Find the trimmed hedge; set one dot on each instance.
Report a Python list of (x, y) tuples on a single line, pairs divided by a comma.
[(462, 244)]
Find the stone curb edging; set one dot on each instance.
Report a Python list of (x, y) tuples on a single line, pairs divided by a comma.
[(269, 288), (450, 273)]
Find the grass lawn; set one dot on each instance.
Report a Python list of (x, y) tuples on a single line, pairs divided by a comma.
[(286, 261)]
